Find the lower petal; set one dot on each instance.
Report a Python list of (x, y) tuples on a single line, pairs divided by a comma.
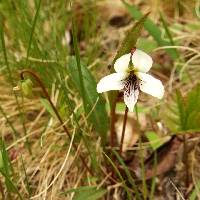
[(151, 85), (111, 82), (131, 96)]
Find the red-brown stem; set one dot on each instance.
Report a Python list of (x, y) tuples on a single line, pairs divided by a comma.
[(112, 123), (37, 78), (186, 161), (1, 190), (123, 130)]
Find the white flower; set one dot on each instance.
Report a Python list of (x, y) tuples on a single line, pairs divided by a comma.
[(131, 77)]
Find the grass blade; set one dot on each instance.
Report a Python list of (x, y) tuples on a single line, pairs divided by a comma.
[(119, 175), (26, 178), (32, 30), (11, 184), (14, 131), (195, 192), (128, 174), (6, 169), (12, 82), (78, 60)]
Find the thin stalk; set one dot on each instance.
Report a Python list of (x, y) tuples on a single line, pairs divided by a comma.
[(123, 130), (144, 184), (112, 131), (26, 178), (21, 114), (15, 133), (37, 78), (112, 123), (32, 31), (123, 182), (2, 192), (153, 182), (186, 162)]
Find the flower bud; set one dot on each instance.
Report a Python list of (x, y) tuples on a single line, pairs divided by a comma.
[(26, 87)]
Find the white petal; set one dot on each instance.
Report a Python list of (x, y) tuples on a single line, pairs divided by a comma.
[(142, 62), (122, 63), (151, 85), (111, 82), (131, 96)]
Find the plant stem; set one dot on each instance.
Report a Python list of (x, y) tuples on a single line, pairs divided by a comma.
[(2, 192), (112, 122), (185, 155), (153, 182), (123, 130), (37, 78)]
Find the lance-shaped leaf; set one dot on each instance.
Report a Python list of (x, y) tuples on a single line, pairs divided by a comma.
[(127, 44), (95, 104), (153, 29)]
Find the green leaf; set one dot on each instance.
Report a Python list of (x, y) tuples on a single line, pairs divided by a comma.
[(147, 45), (26, 88), (183, 113), (130, 40), (195, 192), (5, 162), (127, 44), (48, 107), (152, 28), (10, 184), (6, 167), (95, 104), (78, 61), (168, 33), (120, 107), (154, 139), (87, 193)]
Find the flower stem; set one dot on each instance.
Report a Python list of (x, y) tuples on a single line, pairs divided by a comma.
[(37, 78), (186, 161), (112, 123), (2, 191), (123, 130)]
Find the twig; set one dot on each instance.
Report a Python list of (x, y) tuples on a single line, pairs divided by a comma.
[(37, 78), (123, 130), (180, 195)]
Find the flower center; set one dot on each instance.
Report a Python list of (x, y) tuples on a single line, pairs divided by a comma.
[(131, 83)]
